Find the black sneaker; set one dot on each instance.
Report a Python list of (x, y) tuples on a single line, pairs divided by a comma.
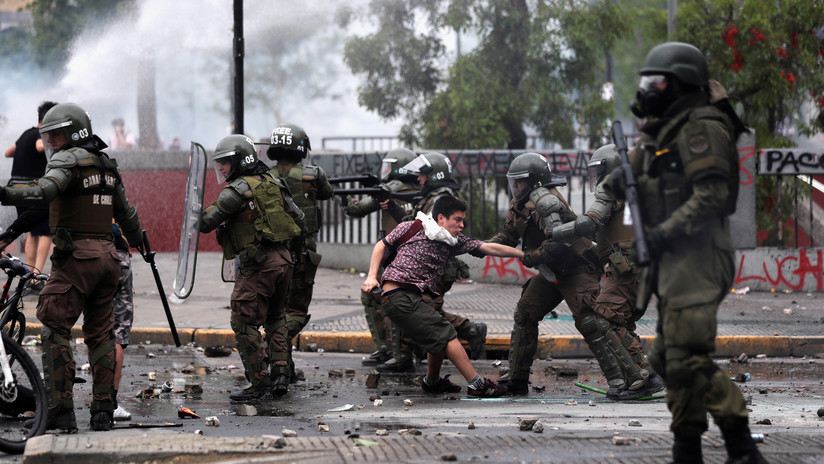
[(101, 421), (280, 386), (377, 357), (651, 386), (489, 389), (393, 365), (442, 385), (250, 393), (64, 421), (477, 346)]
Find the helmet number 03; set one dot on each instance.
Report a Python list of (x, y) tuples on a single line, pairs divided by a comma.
[(83, 133), (283, 139)]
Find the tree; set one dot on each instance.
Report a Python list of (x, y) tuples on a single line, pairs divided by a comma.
[(538, 63)]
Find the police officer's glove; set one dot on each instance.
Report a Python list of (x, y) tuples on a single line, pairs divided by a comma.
[(616, 182), (532, 258), (2, 194)]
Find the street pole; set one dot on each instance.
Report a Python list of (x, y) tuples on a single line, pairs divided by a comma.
[(237, 69), (672, 18)]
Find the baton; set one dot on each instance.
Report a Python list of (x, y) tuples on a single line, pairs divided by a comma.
[(148, 255)]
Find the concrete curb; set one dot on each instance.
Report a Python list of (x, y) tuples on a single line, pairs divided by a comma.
[(556, 346)]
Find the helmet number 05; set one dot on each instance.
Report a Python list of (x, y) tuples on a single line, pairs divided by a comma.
[(249, 159), (283, 140)]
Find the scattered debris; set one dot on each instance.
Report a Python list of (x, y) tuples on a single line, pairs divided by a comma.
[(349, 371), (570, 403), (335, 373), (289, 433), (403, 432), (372, 380), (364, 442), (378, 402), (527, 422), (300, 375), (168, 386), (152, 376), (563, 371), (592, 403), (538, 427), (246, 410), (408, 402), (760, 356), (622, 441), (312, 347), (198, 432), (539, 388), (449, 457), (323, 428), (345, 407), (213, 421), (741, 291), (186, 413), (381, 432), (821, 411), (496, 363), (788, 311), (634, 423), (218, 351), (471, 425), (86, 367), (742, 378), (764, 422), (742, 358), (193, 389)]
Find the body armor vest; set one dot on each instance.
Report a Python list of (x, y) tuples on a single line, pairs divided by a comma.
[(86, 207), (388, 223), (428, 202), (261, 219), (300, 181)]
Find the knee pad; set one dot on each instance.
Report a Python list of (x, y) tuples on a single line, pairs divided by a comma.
[(592, 326)]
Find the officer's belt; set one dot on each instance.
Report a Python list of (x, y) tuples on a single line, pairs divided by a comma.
[(76, 236), (269, 246)]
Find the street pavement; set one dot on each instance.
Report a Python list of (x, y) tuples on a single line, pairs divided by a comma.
[(785, 329)]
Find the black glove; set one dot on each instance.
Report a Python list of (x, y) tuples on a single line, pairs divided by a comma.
[(617, 183), (2, 194), (657, 241), (532, 259)]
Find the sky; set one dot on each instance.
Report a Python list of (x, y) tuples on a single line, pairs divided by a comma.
[(191, 43)]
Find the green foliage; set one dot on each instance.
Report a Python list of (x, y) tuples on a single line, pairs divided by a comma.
[(537, 63), (15, 50), (58, 22)]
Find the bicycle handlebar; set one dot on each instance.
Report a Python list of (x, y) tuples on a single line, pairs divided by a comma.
[(14, 265)]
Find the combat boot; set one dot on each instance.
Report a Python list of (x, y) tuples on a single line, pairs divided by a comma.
[(405, 364), (687, 449), (653, 385), (377, 357), (741, 448), (101, 421), (252, 393), (280, 386), (64, 421), (514, 387)]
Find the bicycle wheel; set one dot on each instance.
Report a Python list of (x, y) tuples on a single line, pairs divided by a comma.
[(24, 408), (16, 326)]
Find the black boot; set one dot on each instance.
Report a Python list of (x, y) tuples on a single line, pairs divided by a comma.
[(687, 449), (740, 446), (280, 386)]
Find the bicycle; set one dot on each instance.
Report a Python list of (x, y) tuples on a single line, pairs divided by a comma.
[(23, 400), (12, 319)]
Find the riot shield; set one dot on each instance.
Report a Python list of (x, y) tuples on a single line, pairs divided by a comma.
[(190, 230), (229, 269)]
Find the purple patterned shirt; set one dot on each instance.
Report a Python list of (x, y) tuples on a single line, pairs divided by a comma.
[(418, 261)]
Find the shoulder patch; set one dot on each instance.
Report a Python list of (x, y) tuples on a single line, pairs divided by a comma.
[(698, 144)]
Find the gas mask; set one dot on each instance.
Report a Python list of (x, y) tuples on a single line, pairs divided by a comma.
[(651, 99)]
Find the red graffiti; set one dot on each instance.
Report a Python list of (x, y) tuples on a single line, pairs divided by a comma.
[(787, 278), (503, 268), (743, 154)]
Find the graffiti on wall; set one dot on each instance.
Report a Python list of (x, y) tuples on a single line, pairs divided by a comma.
[(790, 271)]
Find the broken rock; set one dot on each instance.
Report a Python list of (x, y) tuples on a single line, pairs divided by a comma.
[(372, 379), (526, 423)]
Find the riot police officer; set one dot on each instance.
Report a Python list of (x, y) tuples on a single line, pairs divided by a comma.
[(392, 213), (686, 166), (257, 222), (85, 190), (610, 330), (567, 271), (308, 184)]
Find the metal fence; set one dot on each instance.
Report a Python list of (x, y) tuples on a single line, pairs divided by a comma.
[(481, 174)]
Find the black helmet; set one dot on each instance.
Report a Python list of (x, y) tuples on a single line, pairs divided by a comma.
[(527, 172), (239, 152), (679, 59), (65, 125), (435, 166), (289, 141), (605, 160), (392, 163)]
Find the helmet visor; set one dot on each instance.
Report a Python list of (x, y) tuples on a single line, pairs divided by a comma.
[(386, 168), (596, 171), (652, 81), (519, 185), (53, 140), (224, 165), (417, 166)]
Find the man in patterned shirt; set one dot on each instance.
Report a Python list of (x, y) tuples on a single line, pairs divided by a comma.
[(422, 246)]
